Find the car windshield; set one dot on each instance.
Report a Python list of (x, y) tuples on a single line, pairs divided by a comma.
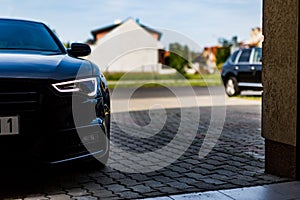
[(15, 35)]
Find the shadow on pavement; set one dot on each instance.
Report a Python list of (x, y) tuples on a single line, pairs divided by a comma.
[(21, 180)]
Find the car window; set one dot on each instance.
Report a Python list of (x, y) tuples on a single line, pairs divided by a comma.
[(257, 55), (26, 36), (233, 56), (245, 55)]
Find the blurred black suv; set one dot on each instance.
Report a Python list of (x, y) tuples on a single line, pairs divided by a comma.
[(242, 71)]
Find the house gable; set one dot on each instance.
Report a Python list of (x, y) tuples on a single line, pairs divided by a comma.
[(101, 32)]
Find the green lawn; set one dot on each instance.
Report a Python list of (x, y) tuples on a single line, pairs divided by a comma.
[(250, 97), (157, 80)]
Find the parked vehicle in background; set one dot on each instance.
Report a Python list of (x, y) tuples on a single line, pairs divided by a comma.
[(42, 86), (242, 71)]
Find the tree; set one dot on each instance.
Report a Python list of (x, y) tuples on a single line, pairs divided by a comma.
[(222, 54), (179, 57), (224, 42), (67, 45)]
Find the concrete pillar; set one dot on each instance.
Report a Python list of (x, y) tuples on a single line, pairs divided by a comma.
[(280, 68)]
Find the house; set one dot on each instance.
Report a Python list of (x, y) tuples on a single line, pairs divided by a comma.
[(206, 62), (128, 46)]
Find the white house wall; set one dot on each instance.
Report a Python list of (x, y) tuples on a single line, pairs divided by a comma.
[(127, 48), (141, 60)]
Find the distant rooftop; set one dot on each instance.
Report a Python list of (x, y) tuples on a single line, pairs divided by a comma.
[(113, 26)]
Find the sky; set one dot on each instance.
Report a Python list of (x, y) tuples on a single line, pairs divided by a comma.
[(198, 23)]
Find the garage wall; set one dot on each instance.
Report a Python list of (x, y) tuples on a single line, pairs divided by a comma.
[(280, 68)]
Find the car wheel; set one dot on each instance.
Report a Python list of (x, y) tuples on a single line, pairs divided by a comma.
[(231, 87)]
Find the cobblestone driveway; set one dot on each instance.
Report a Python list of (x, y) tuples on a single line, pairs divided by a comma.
[(236, 160)]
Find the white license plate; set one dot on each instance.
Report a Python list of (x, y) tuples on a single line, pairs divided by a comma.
[(9, 125)]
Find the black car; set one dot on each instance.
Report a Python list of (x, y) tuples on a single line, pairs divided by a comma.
[(54, 106), (242, 71)]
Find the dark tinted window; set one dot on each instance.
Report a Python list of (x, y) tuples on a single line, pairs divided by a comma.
[(233, 56), (257, 55), (245, 55), (27, 36)]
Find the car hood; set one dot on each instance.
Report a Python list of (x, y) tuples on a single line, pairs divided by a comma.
[(42, 66)]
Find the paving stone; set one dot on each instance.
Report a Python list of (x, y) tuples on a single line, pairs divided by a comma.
[(231, 168), (168, 190), (96, 174), (140, 177), (220, 177), (226, 173), (114, 198), (237, 160), (213, 181), (202, 171), (239, 182), (179, 169), (116, 175), (163, 179), (218, 158), (36, 197), (129, 195), (141, 189), (85, 179), (128, 182), (196, 176), (116, 188), (104, 194), (202, 185), (59, 197), (214, 162), (77, 192), (105, 181), (192, 161), (92, 186), (250, 168), (172, 174), (178, 185), (208, 166), (152, 194), (84, 198), (70, 185), (187, 180)]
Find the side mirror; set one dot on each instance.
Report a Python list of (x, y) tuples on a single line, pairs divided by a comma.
[(79, 50)]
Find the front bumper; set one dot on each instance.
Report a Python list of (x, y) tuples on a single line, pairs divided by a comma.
[(50, 133), (55, 148)]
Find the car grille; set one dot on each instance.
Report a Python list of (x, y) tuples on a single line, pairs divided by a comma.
[(22, 98), (19, 101), (19, 96)]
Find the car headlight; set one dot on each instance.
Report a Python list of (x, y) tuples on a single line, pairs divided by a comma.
[(87, 86)]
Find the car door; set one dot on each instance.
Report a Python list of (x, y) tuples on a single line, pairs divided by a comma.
[(243, 66)]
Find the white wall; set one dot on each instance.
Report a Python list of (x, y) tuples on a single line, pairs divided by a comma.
[(127, 48)]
